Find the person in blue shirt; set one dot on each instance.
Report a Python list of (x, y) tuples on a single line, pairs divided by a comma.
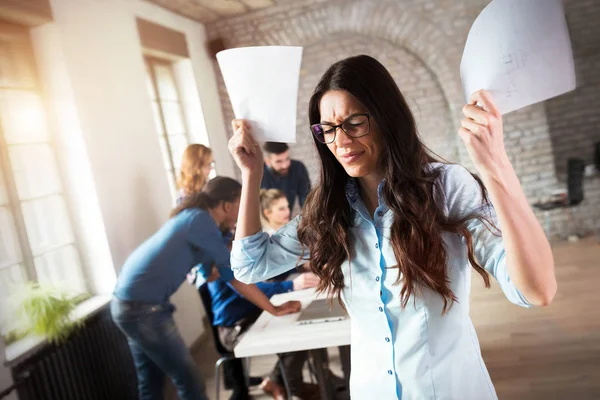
[(395, 233), (141, 305), (283, 173), (233, 316)]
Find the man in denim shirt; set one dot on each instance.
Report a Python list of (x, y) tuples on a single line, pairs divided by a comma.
[(283, 173)]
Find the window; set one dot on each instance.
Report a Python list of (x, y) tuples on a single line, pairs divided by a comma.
[(168, 116), (36, 237)]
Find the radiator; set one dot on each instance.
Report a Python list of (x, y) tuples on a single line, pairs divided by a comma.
[(94, 364)]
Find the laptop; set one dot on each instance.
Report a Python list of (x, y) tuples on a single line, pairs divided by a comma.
[(318, 311)]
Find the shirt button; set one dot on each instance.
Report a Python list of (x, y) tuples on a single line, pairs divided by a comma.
[(381, 309), (390, 371), (387, 339), (376, 279), (379, 213), (376, 245)]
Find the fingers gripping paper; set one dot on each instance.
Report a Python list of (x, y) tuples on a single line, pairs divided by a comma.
[(262, 83), (520, 51)]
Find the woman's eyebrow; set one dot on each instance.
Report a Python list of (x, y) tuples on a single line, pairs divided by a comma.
[(349, 115)]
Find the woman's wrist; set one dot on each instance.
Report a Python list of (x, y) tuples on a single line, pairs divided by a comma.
[(271, 309), (252, 177)]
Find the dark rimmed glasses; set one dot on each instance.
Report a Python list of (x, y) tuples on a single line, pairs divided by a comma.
[(355, 126)]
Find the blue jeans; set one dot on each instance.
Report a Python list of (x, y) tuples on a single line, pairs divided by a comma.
[(158, 350)]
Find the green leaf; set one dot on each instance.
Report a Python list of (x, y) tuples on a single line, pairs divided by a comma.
[(47, 310)]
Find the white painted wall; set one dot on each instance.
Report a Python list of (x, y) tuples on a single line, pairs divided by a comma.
[(92, 48), (81, 195), (204, 74)]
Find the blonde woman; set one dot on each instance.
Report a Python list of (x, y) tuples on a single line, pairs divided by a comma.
[(274, 214), (274, 210), (196, 164)]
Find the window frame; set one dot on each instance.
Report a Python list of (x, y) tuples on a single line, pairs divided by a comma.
[(15, 204), (150, 62)]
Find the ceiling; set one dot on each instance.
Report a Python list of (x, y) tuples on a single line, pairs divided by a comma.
[(212, 10)]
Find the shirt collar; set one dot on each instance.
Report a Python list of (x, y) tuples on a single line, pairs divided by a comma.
[(353, 197)]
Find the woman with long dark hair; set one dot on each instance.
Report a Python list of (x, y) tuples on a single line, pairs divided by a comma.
[(141, 306), (393, 231)]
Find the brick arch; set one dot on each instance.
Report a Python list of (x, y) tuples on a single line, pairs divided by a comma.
[(397, 24), (434, 33)]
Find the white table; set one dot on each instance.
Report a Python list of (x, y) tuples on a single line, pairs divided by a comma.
[(273, 335)]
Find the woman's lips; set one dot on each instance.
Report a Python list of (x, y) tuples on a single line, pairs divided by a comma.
[(351, 157)]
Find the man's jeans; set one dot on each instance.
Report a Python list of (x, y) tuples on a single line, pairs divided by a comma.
[(158, 350)]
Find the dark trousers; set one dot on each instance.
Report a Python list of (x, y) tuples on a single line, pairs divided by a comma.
[(293, 363), (235, 379), (158, 350)]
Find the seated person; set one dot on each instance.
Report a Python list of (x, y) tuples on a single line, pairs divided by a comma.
[(274, 210), (275, 213), (235, 311)]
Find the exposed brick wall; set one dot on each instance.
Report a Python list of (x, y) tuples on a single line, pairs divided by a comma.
[(574, 118), (421, 42)]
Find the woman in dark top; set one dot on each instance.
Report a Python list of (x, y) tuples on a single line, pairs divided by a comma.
[(155, 270)]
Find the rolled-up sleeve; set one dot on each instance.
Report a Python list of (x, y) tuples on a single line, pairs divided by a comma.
[(463, 196), (259, 257)]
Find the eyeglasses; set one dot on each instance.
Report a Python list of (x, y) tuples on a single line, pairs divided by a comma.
[(354, 126)]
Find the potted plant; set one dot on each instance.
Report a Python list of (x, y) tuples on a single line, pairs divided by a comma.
[(47, 310)]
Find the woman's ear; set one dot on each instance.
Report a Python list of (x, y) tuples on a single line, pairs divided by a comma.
[(267, 214)]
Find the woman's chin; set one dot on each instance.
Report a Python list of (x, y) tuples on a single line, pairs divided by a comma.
[(356, 171)]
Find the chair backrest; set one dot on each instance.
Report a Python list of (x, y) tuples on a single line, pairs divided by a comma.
[(207, 303), (575, 173)]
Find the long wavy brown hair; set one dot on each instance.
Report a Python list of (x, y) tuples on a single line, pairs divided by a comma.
[(191, 176), (419, 222)]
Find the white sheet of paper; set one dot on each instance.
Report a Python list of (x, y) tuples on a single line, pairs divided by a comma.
[(520, 51), (262, 83)]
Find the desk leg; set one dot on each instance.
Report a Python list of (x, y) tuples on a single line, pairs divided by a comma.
[(284, 376), (319, 357), (345, 361)]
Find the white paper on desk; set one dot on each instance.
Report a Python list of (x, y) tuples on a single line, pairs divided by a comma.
[(520, 51), (262, 83)]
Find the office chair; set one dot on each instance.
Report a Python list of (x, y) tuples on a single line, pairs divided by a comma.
[(225, 355)]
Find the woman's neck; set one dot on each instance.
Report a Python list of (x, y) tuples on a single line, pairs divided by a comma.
[(275, 226), (368, 191)]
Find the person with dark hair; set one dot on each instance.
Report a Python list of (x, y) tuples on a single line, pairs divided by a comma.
[(283, 173), (234, 315), (141, 305), (393, 232)]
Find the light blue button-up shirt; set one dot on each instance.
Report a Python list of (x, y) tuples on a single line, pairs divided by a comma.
[(411, 353)]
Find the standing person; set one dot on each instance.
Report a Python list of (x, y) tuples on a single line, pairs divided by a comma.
[(196, 164), (141, 305), (283, 173), (395, 232)]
